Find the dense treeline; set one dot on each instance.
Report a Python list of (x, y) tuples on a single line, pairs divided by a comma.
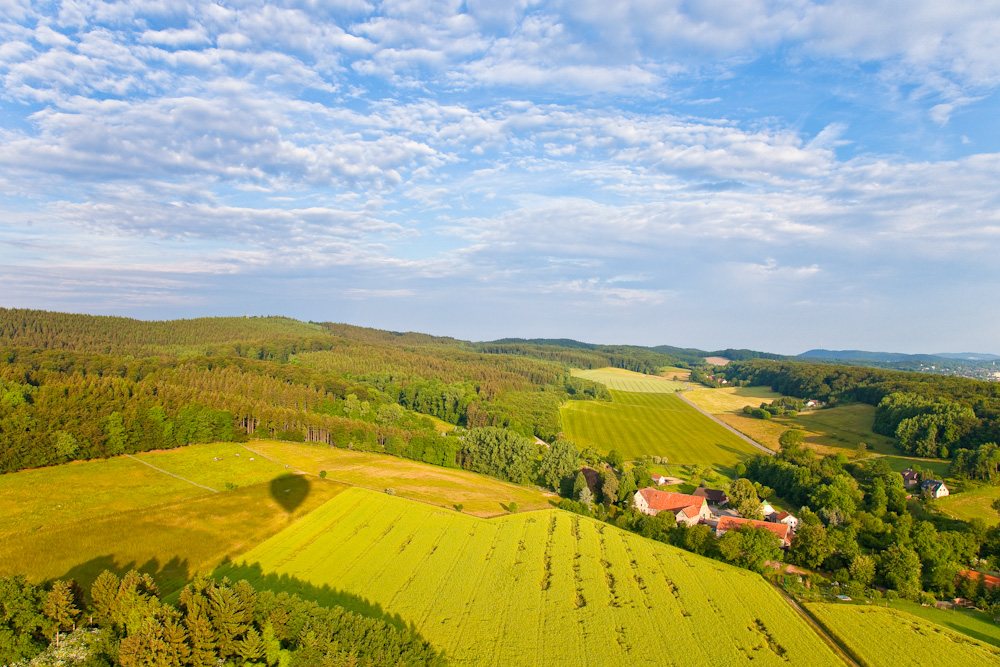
[(213, 623), (858, 523), (929, 415)]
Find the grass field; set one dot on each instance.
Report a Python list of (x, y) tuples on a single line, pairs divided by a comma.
[(879, 637), (622, 380), (842, 428), (730, 399), (901, 463), (975, 624), (169, 541), (972, 504), (480, 495), (674, 373), (637, 424), (540, 588)]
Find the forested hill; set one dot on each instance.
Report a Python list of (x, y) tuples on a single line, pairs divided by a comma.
[(929, 415), (81, 386)]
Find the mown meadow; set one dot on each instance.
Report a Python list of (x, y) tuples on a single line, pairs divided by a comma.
[(623, 380), (535, 588), (880, 637), (655, 424)]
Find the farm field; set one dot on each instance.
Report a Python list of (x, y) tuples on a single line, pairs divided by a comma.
[(974, 504), (623, 380), (842, 428), (479, 495), (169, 541), (538, 588), (765, 431), (939, 466), (730, 399), (637, 424), (975, 624), (880, 637), (674, 373)]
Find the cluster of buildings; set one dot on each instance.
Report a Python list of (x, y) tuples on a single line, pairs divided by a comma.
[(708, 506), (929, 488)]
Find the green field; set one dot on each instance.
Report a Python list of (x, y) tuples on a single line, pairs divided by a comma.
[(622, 380), (974, 504), (479, 495), (842, 428), (170, 541), (730, 399), (637, 424), (880, 637), (537, 588), (975, 624)]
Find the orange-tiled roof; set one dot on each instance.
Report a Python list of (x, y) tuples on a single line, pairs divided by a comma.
[(734, 522), (674, 502), (988, 579)]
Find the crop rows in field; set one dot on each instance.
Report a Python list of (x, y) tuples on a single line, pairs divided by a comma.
[(622, 380), (875, 636), (539, 588), (637, 424)]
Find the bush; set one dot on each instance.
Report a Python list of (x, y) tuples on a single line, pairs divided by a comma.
[(322, 474), (390, 491)]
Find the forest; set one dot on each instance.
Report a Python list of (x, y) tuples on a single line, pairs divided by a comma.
[(929, 415)]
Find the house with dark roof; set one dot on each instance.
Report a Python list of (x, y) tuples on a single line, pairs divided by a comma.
[(686, 508), (934, 488), (715, 497), (910, 478), (727, 523)]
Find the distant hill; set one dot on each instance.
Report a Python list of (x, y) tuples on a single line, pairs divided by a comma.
[(893, 357)]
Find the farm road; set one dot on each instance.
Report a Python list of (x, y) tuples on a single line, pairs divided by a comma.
[(725, 425), (183, 479)]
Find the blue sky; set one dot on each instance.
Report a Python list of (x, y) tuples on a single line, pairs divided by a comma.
[(779, 175)]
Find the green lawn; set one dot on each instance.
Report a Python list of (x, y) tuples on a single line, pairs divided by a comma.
[(622, 380), (538, 588), (656, 424), (971, 504), (880, 637), (975, 624)]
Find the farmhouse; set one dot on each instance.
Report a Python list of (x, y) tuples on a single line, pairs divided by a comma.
[(715, 497), (785, 518), (727, 523), (687, 509), (934, 488), (659, 480), (910, 478)]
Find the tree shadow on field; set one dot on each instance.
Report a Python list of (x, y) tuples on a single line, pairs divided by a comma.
[(290, 491), (322, 595), (170, 577)]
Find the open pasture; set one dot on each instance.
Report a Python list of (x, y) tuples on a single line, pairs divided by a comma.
[(730, 399), (674, 373), (880, 637), (974, 504), (638, 424), (171, 541), (975, 624), (539, 588), (841, 429), (623, 380), (479, 495)]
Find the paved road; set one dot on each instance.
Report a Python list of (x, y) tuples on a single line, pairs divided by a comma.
[(726, 426)]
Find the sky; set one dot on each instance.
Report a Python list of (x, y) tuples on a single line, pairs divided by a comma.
[(770, 174)]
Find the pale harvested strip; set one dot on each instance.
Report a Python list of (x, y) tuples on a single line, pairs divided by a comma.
[(162, 471), (880, 637), (622, 380), (539, 588)]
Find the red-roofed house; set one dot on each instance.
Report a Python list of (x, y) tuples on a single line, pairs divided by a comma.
[(727, 523), (687, 509), (785, 518), (659, 479)]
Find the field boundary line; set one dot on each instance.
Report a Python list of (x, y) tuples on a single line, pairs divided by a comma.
[(842, 651), (301, 472), (724, 425), (183, 479)]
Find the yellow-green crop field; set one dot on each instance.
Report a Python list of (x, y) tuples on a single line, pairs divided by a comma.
[(479, 495), (730, 399), (638, 424), (623, 380), (537, 588), (880, 637)]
